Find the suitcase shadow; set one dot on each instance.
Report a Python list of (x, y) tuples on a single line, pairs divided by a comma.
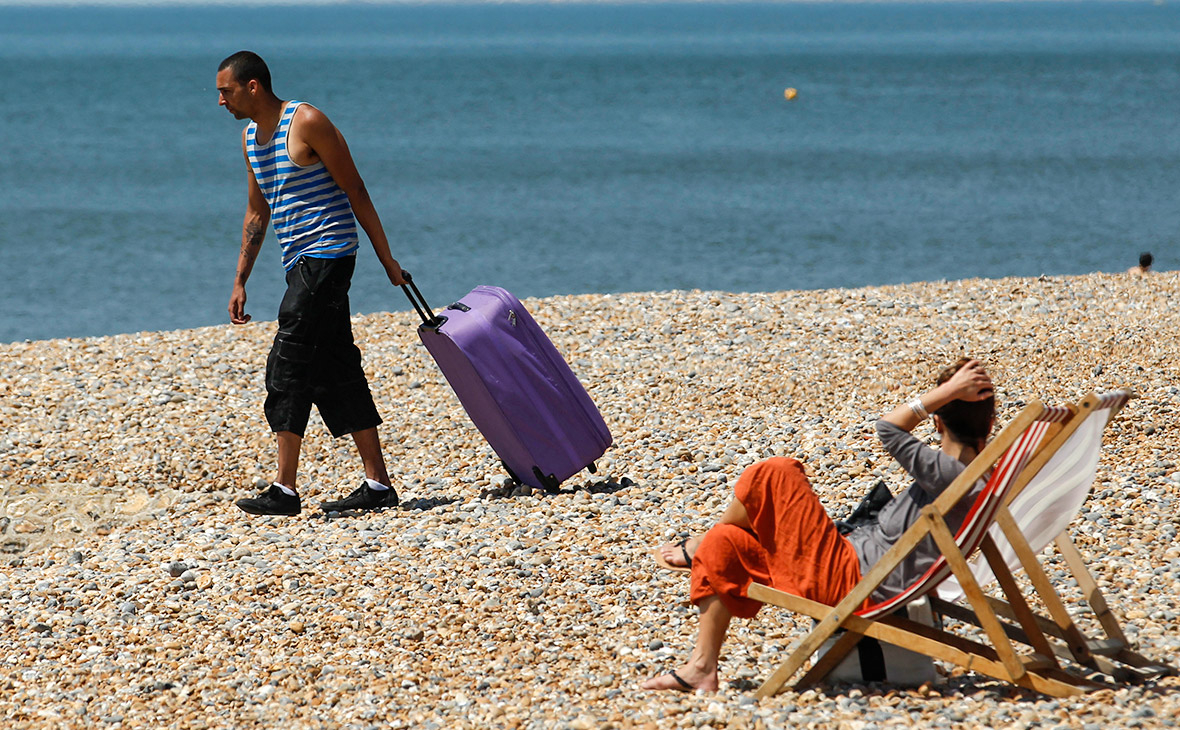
[(606, 486), (512, 490)]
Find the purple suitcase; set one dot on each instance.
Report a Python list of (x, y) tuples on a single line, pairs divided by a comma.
[(515, 385)]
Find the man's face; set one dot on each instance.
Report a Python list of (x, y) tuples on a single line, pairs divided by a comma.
[(233, 95)]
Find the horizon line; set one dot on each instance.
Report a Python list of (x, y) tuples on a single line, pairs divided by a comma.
[(164, 4)]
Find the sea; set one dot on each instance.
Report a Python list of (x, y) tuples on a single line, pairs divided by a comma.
[(598, 147)]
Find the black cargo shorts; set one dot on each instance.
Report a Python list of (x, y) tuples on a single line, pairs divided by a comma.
[(314, 359)]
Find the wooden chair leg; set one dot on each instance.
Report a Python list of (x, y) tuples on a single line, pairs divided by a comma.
[(990, 622), (1096, 663), (1077, 566), (1024, 615), (1116, 646), (828, 661), (1073, 636)]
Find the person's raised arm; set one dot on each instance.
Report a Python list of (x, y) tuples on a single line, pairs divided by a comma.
[(969, 383), (253, 231), (328, 144)]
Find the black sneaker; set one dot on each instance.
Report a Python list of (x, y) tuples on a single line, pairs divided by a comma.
[(273, 501), (363, 498)]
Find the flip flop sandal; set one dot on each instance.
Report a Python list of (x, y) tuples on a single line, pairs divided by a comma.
[(684, 686), (675, 568)]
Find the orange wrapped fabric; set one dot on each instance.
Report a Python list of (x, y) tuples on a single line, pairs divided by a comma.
[(794, 546)]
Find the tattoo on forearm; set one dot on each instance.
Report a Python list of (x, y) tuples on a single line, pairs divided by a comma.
[(252, 239)]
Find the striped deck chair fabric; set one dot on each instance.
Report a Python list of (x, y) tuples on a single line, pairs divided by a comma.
[(1050, 502), (1040, 514)]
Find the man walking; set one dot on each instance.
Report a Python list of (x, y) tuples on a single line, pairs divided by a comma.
[(302, 176)]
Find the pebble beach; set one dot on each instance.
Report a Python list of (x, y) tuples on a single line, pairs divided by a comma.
[(134, 594)]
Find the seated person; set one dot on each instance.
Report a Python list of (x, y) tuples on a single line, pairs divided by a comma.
[(1144, 267), (776, 532)]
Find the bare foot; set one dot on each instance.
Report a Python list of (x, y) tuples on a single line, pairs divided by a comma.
[(683, 679), (678, 555)]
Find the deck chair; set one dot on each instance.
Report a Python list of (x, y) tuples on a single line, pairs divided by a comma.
[(1012, 459), (1041, 513)]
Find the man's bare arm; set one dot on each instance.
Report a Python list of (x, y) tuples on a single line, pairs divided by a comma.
[(318, 133), (253, 233)]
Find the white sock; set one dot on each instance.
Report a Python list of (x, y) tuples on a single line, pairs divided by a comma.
[(286, 490), (375, 485)]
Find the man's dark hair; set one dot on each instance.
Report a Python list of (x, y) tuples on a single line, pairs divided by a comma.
[(1146, 259), (247, 66)]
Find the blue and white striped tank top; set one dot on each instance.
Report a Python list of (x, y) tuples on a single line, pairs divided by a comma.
[(310, 213)]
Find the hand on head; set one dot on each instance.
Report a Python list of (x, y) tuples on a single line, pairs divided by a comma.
[(972, 383)]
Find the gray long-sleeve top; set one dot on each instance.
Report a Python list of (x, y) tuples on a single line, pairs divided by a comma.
[(933, 471)]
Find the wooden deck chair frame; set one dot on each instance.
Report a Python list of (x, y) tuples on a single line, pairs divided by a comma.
[(1016, 454), (1111, 655)]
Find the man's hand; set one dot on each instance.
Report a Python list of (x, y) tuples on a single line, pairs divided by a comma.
[(237, 306), (253, 231), (394, 271)]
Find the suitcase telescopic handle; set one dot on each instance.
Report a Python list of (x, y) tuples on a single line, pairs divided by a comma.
[(419, 302)]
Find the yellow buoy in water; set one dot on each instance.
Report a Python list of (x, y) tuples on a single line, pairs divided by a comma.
[(790, 94)]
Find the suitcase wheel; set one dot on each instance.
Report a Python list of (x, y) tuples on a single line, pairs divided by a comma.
[(511, 474), (550, 483)]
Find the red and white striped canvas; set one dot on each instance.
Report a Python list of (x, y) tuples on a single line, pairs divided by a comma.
[(1054, 497)]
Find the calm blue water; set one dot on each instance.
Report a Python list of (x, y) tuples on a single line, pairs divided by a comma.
[(567, 149)]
